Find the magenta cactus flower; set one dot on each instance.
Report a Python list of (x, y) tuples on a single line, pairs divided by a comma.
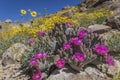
[(101, 49), (44, 55), (82, 33), (40, 55), (69, 24), (33, 62), (110, 61), (79, 57), (31, 40), (66, 46), (76, 41), (37, 75), (41, 33), (60, 63)]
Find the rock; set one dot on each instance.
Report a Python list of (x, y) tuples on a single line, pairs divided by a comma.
[(68, 14), (91, 3), (82, 9), (12, 72), (8, 21), (44, 75), (1, 70), (113, 22), (14, 53), (111, 70), (94, 72), (66, 8), (99, 28), (68, 74), (4, 26)]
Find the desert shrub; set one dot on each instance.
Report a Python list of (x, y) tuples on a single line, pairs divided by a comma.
[(113, 41)]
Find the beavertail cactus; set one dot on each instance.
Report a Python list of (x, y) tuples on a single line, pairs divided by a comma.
[(75, 46)]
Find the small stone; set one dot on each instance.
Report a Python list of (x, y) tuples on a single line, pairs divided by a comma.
[(99, 28), (8, 21), (68, 14), (14, 54), (114, 23)]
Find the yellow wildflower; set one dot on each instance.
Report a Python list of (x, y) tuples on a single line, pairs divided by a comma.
[(23, 12), (33, 13)]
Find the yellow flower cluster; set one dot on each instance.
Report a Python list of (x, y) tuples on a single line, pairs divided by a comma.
[(95, 14), (49, 22), (92, 16), (103, 12), (40, 24), (14, 31)]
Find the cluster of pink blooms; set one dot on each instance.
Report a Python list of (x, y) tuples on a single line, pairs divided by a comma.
[(76, 41), (34, 62), (78, 56), (82, 33), (37, 75), (60, 63), (41, 33), (110, 61), (37, 55), (66, 46), (99, 48), (69, 24), (103, 50), (31, 40), (73, 41)]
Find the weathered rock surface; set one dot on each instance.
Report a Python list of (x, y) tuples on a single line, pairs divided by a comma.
[(99, 28), (82, 9), (12, 72), (111, 70), (8, 21), (68, 74), (113, 22), (14, 53), (90, 73), (5, 25), (68, 14)]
